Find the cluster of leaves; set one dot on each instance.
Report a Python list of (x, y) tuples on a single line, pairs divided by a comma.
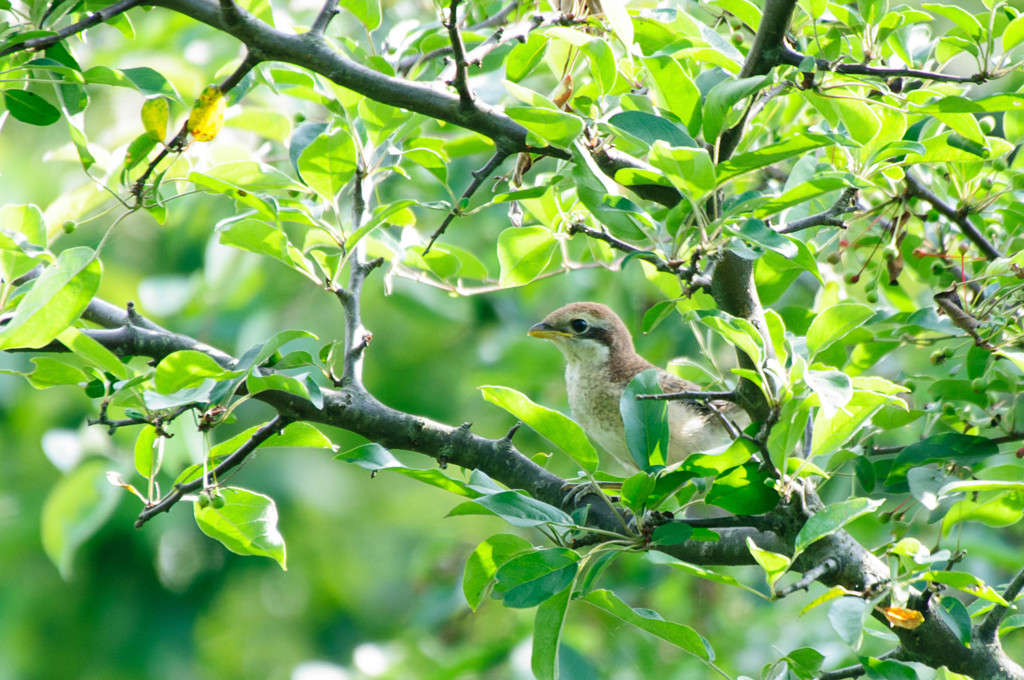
[(757, 166)]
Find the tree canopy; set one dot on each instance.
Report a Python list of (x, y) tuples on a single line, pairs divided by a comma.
[(276, 262)]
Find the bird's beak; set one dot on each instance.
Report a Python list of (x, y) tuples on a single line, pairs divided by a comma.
[(546, 332)]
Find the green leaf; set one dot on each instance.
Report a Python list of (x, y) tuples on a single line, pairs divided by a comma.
[(484, 562), (829, 433), (328, 163), (367, 11), (560, 430), (276, 381), (672, 533), (834, 389), (554, 127), (690, 170), (738, 332), (147, 454), (515, 508), (523, 254), (684, 637), (722, 98), (648, 128), (847, 616), (56, 300), (774, 564), (636, 490), (645, 420), (743, 491), (834, 323), (969, 583), (675, 90), (246, 525), (794, 147), (185, 368), (547, 632), (74, 510), (28, 107), (966, 450), (93, 352), (25, 225), (619, 21), (960, 17), (530, 578), (833, 518), (51, 372), (524, 57), (1013, 34)]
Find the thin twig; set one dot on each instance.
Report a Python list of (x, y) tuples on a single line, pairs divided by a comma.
[(788, 56), (357, 338), (461, 79), (479, 176), (323, 19), (989, 628), (97, 17), (854, 671), (889, 450), (639, 253), (831, 217), (957, 217), (233, 460), (829, 566), (689, 396), (178, 143)]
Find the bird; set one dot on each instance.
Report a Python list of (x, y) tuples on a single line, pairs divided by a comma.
[(601, 361)]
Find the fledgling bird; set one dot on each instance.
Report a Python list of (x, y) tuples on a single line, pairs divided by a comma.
[(601, 361)]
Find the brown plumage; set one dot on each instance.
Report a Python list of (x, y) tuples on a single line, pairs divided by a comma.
[(600, 362)]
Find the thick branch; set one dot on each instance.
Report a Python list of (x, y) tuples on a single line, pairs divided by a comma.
[(312, 52)]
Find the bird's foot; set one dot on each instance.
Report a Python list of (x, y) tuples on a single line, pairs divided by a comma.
[(573, 493)]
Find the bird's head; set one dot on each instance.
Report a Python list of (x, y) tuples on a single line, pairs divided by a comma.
[(585, 332)]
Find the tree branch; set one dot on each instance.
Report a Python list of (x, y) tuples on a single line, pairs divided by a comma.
[(233, 460), (94, 19), (987, 632), (957, 217), (832, 216), (479, 176), (323, 19), (792, 58), (460, 81), (312, 52), (645, 255)]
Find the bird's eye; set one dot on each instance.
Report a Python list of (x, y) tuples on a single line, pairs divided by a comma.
[(579, 325)]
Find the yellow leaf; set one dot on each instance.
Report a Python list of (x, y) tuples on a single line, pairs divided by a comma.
[(154, 118), (899, 617), (207, 115)]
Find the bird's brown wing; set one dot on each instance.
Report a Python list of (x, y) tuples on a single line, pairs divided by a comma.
[(671, 383)]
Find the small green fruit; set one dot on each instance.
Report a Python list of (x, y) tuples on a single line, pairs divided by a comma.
[(890, 252), (988, 124), (948, 410), (979, 385), (204, 499), (938, 268), (833, 258), (217, 502), (963, 247), (872, 296), (69, 226), (938, 356), (1000, 164)]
